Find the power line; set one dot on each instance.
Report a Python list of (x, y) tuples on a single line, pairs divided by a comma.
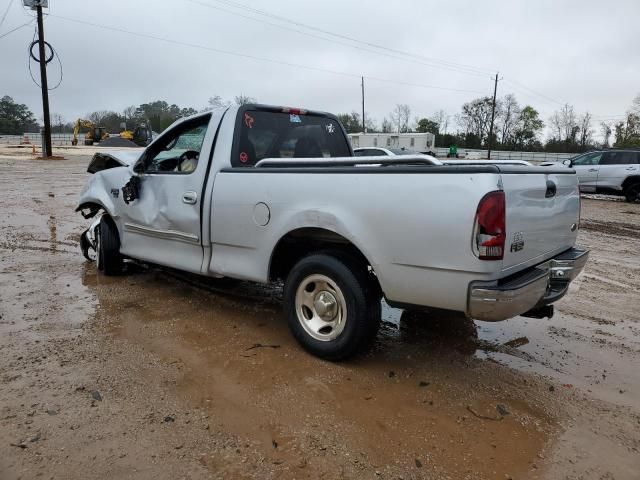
[(444, 64), (4, 16), (428, 63), (251, 57), (17, 28), (538, 94), (242, 6)]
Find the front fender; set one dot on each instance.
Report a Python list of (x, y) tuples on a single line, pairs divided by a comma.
[(103, 189)]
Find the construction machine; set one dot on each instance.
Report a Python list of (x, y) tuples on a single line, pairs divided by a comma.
[(141, 136), (94, 134)]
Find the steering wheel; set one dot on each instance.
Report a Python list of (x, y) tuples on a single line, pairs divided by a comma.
[(186, 156)]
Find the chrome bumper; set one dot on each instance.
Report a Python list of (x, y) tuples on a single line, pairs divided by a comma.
[(543, 285)]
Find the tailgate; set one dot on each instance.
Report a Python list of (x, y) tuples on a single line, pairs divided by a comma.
[(539, 221)]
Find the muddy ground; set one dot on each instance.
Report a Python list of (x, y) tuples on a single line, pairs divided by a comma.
[(153, 375)]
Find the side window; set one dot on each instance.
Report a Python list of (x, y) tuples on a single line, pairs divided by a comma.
[(619, 158), (376, 152), (179, 152), (628, 158), (588, 159)]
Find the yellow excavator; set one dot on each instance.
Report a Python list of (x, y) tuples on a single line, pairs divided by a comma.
[(94, 134)]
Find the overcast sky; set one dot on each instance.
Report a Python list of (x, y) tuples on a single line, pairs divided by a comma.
[(584, 52)]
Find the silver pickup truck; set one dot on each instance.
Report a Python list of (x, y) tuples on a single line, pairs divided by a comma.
[(266, 193)]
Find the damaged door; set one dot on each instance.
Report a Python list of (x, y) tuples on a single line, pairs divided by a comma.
[(161, 222)]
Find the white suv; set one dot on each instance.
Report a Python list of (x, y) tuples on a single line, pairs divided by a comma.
[(614, 172)]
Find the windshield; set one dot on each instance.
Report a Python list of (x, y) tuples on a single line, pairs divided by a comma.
[(271, 134)]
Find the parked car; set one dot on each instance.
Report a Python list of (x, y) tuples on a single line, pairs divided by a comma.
[(614, 171), (264, 193), (385, 152)]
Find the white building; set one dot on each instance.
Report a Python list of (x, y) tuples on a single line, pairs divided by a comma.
[(420, 142)]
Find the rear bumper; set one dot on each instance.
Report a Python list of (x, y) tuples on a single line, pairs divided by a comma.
[(537, 287)]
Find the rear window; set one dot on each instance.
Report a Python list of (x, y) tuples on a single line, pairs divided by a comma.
[(267, 134)]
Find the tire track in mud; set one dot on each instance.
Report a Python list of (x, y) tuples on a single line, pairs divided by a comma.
[(612, 228)]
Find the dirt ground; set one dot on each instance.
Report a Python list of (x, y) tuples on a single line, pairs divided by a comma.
[(158, 375)]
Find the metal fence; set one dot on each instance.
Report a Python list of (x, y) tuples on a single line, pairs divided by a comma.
[(57, 139), (535, 157)]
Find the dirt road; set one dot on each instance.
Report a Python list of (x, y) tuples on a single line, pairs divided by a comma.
[(154, 375)]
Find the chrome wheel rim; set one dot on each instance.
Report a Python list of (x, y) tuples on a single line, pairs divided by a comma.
[(321, 308)]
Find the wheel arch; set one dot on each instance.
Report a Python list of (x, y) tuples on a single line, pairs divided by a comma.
[(93, 206), (633, 179), (302, 241)]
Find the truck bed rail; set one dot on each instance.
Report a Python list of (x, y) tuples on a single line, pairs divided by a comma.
[(346, 161)]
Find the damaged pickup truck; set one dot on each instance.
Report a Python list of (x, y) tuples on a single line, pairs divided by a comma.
[(265, 194)]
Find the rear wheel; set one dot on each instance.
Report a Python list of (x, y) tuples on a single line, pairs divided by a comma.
[(108, 257), (632, 192), (330, 305)]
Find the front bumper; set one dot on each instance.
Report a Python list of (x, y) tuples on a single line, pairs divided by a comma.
[(537, 287)]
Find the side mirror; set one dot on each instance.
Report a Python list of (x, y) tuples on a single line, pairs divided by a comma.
[(567, 162)]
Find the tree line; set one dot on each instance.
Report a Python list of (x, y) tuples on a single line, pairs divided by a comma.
[(516, 127)]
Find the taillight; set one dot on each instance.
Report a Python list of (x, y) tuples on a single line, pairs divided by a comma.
[(489, 231)]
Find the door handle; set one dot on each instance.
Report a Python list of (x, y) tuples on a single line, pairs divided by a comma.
[(630, 168), (592, 170), (190, 197)]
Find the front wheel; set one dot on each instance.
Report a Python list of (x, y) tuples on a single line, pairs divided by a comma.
[(108, 257), (632, 192), (330, 306)]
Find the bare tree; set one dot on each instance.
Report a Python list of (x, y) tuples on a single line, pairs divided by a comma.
[(556, 125), (565, 124), (508, 117), (58, 122), (243, 99), (635, 105), (585, 129), (387, 126), (216, 102), (129, 113), (442, 119), (98, 116), (606, 131), (400, 117)]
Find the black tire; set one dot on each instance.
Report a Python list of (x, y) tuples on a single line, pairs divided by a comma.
[(361, 305), (632, 192), (108, 257)]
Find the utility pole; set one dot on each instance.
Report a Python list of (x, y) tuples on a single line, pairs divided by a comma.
[(364, 129), (493, 116), (43, 80)]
